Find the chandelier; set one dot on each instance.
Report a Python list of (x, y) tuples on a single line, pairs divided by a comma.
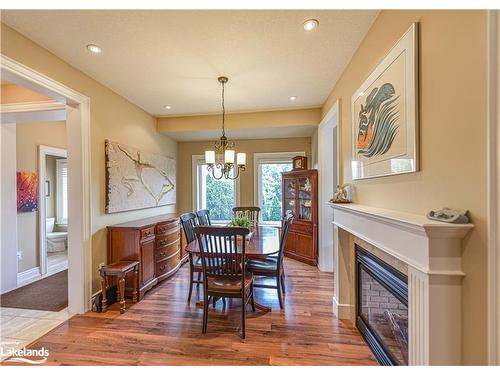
[(221, 159)]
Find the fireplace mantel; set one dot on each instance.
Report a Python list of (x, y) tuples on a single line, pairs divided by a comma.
[(433, 252)]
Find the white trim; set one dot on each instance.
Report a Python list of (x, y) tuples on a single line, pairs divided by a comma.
[(493, 186), (197, 160), (79, 179), (31, 107), (28, 276), (328, 178), (43, 152), (269, 157)]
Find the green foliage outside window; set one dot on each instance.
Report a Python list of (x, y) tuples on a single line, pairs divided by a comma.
[(220, 198), (271, 190)]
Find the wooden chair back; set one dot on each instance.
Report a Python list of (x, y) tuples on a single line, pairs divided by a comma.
[(204, 217), (219, 250), (285, 228), (189, 222), (250, 212)]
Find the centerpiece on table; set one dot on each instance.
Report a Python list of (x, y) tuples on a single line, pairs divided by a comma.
[(244, 222)]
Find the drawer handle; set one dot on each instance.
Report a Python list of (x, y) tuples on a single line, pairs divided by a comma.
[(161, 255), (162, 268)]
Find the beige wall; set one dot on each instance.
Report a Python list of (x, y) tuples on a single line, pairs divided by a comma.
[(112, 117), (11, 93), (50, 171), (453, 138), (246, 120), (28, 137), (250, 146)]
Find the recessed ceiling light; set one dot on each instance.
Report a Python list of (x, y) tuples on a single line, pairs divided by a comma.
[(167, 107), (310, 24), (94, 48), (293, 98)]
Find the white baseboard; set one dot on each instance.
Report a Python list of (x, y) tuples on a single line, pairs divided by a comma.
[(28, 276), (55, 268), (341, 310)]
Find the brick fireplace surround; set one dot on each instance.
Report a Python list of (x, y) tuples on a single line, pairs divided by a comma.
[(428, 252)]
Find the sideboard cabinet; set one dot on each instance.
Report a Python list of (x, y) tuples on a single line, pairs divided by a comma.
[(154, 242), (300, 195)]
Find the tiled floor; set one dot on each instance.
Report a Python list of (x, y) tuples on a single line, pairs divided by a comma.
[(20, 327)]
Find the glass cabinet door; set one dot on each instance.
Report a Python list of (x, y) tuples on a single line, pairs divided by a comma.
[(305, 199), (290, 188)]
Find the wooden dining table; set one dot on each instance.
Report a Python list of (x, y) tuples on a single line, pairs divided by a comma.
[(263, 242)]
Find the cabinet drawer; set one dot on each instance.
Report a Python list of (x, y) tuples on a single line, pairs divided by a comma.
[(164, 252), (147, 233), (165, 227), (168, 238), (168, 264)]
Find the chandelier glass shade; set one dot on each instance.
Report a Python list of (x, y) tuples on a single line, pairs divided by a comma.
[(223, 161)]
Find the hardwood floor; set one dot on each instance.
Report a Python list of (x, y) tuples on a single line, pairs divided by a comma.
[(163, 329)]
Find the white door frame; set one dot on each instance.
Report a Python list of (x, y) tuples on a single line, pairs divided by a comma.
[(493, 193), (79, 198), (328, 175), (44, 151)]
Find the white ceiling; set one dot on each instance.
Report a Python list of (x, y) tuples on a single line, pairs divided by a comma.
[(159, 57)]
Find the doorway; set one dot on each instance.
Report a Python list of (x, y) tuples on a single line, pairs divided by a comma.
[(53, 239), (77, 113)]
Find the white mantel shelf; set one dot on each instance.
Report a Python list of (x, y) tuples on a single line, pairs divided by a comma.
[(427, 245), (432, 251)]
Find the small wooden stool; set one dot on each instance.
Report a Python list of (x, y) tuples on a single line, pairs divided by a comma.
[(120, 270)]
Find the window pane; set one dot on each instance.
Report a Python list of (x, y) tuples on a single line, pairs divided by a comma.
[(270, 187), (217, 195)]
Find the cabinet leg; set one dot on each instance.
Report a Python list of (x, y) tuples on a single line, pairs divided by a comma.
[(121, 287), (136, 283), (104, 296)]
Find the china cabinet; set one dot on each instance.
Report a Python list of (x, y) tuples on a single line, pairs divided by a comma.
[(300, 195)]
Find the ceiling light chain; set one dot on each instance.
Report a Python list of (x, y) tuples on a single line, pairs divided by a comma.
[(223, 155)]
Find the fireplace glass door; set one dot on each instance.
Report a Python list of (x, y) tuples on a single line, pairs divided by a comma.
[(383, 309)]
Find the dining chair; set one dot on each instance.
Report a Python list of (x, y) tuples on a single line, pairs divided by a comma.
[(223, 261), (189, 222), (204, 217), (273, 266), (250, 212)]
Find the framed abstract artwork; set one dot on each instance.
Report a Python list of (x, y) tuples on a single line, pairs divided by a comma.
[(385, 114), (136, 179), (27, 191)]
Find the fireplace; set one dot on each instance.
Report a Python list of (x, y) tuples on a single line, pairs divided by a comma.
[(382, 308)]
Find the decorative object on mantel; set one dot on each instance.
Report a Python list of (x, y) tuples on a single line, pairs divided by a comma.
[(385, 114), (137, 179), (299, 162), (222, 158), (448, 215), (342, 194)]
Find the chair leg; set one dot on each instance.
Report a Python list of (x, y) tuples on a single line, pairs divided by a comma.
[(283, 283), (191, 274), (280, 297), (243, 316), (205, 314), (199, 279), (214, 301), (252, 301)]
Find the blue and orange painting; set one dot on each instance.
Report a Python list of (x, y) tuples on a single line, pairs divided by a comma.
[(27, 191)]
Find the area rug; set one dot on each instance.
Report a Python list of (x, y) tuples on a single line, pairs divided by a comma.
[(48, 294)]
